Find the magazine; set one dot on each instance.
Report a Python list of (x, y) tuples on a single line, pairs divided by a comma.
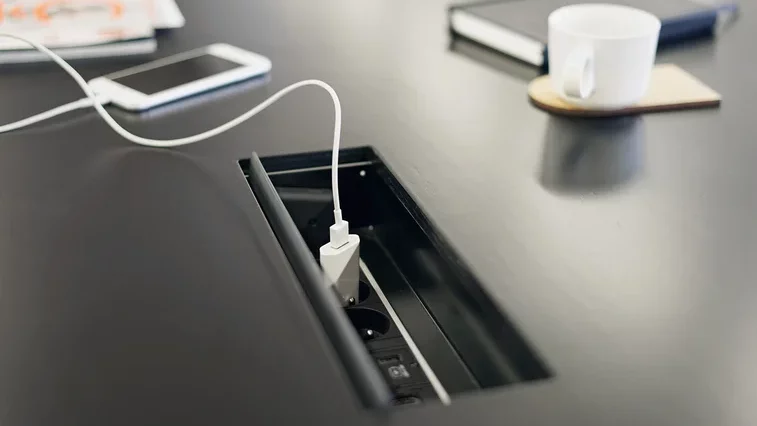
[(84, 28)]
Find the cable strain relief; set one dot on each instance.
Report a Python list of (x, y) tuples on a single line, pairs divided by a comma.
[(338, 217)]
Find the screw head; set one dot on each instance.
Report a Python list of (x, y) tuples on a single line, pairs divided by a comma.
[(367, 334)]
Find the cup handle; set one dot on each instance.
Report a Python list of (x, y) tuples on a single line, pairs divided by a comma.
[(578, 74)]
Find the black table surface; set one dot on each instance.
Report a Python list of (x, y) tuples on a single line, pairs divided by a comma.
[(143, 287)]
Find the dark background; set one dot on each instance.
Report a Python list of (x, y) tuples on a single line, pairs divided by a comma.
[(141, 286)]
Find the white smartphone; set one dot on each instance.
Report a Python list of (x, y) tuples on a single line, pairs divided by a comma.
[(180, 76)]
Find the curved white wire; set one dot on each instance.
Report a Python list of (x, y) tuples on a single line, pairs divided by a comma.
[(93, 100), (63, 109)]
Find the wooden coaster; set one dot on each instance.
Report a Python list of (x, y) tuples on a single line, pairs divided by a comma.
[(670, 88)]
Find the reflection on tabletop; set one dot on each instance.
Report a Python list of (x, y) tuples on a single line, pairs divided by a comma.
[(494, 60), (591, 155)]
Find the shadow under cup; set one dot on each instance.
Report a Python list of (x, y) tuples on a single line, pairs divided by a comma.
[(601, 56)]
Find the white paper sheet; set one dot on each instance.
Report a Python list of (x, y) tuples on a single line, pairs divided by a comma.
[(74, 23), (166, 14)]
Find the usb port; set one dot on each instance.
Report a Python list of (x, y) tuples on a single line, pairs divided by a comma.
[(389, 359)]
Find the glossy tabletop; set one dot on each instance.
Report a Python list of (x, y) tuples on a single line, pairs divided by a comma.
[(142, 286)]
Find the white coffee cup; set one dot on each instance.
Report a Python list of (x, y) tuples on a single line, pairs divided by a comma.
[(601, 55)]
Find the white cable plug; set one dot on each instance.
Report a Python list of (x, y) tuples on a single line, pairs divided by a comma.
[(339, 260), (341, 266)]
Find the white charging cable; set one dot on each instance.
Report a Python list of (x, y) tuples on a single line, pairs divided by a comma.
[(339, 257), (63, 109), (92, 100)]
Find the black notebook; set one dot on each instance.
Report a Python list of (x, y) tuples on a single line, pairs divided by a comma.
[(519, 27)]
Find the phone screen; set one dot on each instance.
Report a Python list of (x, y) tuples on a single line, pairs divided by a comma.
[(165, 77)]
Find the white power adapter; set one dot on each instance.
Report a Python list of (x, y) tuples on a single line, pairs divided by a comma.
[(340, 260)]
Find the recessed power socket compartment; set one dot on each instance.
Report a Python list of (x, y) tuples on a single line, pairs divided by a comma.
[(413, 284)]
